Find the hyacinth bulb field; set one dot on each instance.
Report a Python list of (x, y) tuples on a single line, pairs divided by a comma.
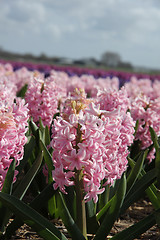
[(80, 148)]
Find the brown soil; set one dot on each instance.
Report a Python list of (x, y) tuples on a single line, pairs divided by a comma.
[(134, 214)]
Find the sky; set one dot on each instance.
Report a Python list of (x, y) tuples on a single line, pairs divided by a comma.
[(79, 29)]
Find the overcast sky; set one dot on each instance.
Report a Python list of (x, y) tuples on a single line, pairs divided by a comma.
[(82, 29)]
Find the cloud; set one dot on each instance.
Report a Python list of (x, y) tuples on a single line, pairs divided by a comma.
[(21, 11), (83, 28)]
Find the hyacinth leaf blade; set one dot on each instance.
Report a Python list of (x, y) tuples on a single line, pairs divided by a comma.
[(34, 130), (70, 200), (157, 160), (8, 182), (41, 126), (136, 127), (154, 138), (137, 229), (138, 189), (113, 211), (41, 130), (28, 215), (38, 203), (104, 197), (28, 178), (44, 132), (92, 222), (151, 190), (135, 171), (33, 126), (22, 91), (7, 188), (106, 207), (52, 207), (68, 220), (41, 199), (28, 148), (47, 136), (104, 210), (48, 160), (153, 196)]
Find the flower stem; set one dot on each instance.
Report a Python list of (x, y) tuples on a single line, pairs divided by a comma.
[(80, 204)]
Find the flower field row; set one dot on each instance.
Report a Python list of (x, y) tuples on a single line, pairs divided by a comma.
[(85, 146), (73, 70)]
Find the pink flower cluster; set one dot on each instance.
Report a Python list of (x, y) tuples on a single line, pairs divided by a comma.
[(13, 126), (92, 140), (43, 96), (145, 107), (46, 96), (23, 76), (92, 85), (15, 80), (147, 112), (119, 133), (89, 83)]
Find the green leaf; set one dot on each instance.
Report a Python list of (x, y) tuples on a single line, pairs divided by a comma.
[(7, 188), (52, 207), (113, 190), (35, 130), (42, 199), (153, 197), (32, 218), (154, 137), (138, 189), (137, 229), (41, 130), (70, 200), (8, 182), (22, 91), (157, 161), (47, 136), (28, 178), (41, 126), (151, 191), (134, 174), (104, 209), (39, 203), (136, 127), (92, 223), (104, 197), (113, 211), (33, 126), (68, 220), (28, 148), (48, 160)]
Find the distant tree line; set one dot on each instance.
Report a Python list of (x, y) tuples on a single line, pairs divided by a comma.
[(108, 59), (111, 59)]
